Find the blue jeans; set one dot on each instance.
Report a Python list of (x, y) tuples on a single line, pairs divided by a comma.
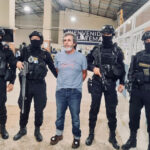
[(72, 98)]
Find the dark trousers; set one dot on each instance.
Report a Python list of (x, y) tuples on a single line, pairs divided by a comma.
[(3, 98), (111, 102), (37, 91), (139, 98)]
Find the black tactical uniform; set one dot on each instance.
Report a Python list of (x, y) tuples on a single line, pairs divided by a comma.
[(109, 58), (139, 74), (37, 59), (7, 73)]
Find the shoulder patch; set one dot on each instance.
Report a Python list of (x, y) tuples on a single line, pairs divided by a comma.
[(18, 54), (6, 46)]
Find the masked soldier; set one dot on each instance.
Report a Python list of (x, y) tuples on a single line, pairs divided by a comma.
[(37, 60), (140, 93), (7, 73), (106, 61)]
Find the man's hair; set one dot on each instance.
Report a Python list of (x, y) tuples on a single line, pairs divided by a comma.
[(73, 35)]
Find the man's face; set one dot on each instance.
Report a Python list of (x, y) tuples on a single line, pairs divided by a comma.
[(68, 41), (35, 38), (107, 34), (147, 41)]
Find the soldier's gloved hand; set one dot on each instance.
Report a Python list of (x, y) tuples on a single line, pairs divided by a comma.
[(10, 87), (97, 71), (120, 88), (19, 65)]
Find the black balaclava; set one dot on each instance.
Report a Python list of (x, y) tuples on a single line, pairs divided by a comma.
[(147, 46), (36, 44), (107, 41)]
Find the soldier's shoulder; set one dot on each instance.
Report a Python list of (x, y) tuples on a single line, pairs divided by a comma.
[(95, 49), (44, 51), (26, 48), (140, 53), (117, 47), (7, 49)]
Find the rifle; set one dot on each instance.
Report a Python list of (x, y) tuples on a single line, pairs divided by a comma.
[(102, 71), (23, 74), (129, 82)]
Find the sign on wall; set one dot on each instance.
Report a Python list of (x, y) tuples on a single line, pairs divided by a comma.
[(89, 37)]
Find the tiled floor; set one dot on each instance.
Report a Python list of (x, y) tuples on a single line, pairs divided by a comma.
[(28, 142)]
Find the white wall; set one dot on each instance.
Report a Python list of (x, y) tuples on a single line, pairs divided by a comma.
[(84, 21), (26, 24)]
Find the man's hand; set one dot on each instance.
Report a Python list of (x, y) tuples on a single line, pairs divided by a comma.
[(19, 65), (120, 88), (10, 87), (97, 71)]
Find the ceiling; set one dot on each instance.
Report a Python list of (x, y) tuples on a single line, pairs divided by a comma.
[(105, 8)]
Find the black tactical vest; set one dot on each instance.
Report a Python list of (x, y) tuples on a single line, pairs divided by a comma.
[(37, 66), (3, 64), (107, 58), (143, 67)]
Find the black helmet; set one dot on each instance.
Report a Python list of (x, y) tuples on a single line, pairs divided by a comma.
[(146, 36), (36, 33), (2, 32), (108, 29)]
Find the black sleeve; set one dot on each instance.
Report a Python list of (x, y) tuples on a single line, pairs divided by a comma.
[(90, 60), (12, 64), (133, 67), (120, 61), (50, 63)]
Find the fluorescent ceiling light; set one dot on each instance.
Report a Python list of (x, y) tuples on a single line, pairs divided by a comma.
[(73, 19), (27, 9)]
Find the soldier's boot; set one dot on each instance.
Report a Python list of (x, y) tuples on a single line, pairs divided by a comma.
[(37, 134), (149, 143), (0, 128), (112, 140), (21, 133), (131, 142), (148, 147), (4, 132), (90, 137)]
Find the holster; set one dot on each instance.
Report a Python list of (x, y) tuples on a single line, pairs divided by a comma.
[(89, 84)]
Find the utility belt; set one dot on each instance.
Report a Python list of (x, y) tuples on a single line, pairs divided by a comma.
[(141, 78), (36, 77), (144, 87), (35, 81), (98, 80)]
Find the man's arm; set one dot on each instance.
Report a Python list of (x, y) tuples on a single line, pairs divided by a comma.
[(50, 63), (84, 74), (12, 64), (120, 61), (20, 57), (90, 60)]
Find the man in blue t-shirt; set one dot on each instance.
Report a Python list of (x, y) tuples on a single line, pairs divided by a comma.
[(71, 67)]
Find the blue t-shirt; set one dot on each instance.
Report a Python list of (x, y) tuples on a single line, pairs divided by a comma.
[(70, 67)]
